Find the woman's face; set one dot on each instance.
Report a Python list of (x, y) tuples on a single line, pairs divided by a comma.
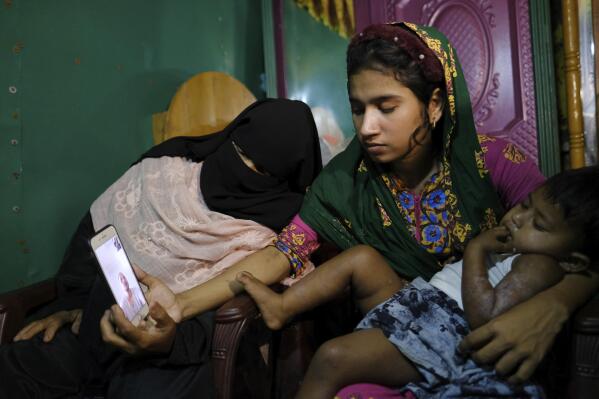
[(388, 117)]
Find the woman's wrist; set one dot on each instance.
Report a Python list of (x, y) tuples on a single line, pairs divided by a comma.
[(576, 289), (558, 305), (566, 296), (184, 304)]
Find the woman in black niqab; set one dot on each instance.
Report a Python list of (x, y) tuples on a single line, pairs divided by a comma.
[(280, 138)]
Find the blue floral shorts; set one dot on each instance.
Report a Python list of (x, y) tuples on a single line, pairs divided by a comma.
[(426, 326)]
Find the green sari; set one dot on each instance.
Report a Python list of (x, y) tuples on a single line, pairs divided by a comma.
[(350, 202)]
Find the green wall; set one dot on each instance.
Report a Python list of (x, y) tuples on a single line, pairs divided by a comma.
[(88, 78), (315, 64)]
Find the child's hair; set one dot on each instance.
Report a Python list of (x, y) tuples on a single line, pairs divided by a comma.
[(576, 192)]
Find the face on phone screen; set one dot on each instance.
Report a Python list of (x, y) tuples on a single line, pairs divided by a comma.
[(120, 277)]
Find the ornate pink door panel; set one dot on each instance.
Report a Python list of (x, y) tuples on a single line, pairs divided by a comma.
[(492, 38)]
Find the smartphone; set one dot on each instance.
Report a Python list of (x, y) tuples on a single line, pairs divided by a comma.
[(119, 274)]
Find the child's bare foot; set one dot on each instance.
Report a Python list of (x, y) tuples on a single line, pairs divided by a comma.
[(269, 302)]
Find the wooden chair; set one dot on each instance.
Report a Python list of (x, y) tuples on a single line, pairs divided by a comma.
[(203, 104)]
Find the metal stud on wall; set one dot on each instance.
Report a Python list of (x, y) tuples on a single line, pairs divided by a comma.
[(13, 245), (78, 84)]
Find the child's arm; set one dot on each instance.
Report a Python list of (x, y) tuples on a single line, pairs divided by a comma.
[(530, 274), (361, 267)]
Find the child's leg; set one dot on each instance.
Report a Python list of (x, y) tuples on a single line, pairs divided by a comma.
[(362, 356), (363, 267)]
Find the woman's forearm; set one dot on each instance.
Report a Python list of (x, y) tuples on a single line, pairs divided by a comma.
[(573, 291), (268, 265)]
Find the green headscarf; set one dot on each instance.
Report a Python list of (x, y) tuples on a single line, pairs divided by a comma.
[(349, 203)]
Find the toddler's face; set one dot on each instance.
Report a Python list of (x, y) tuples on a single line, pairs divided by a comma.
[(387, 117), (538, 226)]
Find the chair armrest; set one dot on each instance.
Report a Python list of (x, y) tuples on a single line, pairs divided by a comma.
[(239, 308), (584, 372), (232, 322), (586, 320), (16, 305)]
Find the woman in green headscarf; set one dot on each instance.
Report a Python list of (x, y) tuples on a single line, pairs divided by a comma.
[(418, 201), (404, 160), (416, 183)]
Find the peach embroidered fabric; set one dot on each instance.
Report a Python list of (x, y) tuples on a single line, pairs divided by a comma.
[(166, 227)]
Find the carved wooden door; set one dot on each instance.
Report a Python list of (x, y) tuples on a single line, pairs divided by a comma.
[(493, 41)]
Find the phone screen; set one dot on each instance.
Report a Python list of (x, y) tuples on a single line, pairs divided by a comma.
[(120, 277)]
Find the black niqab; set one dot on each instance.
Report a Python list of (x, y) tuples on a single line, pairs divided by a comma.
[(280, 137)]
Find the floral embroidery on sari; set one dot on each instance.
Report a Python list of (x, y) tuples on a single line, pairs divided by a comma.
[(512, 153), (292, 241), (450, 70), (479, 156), (384, 216), (296, 264), (362, 168), (483, 138), (461, 231), (480, 163), (489, 220), (429, 216)]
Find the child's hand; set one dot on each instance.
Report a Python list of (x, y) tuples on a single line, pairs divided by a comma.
[(495, 240)]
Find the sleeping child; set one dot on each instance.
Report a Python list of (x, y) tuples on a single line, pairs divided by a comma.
[(410, 334)]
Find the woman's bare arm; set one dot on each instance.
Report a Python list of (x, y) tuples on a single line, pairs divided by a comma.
[(268, 265), (574, 290)]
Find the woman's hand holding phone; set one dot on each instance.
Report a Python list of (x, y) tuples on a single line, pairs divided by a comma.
[(156, 336), (158, 292)]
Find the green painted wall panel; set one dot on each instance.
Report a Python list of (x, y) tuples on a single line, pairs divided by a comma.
[(315, 65), (88, 79)]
